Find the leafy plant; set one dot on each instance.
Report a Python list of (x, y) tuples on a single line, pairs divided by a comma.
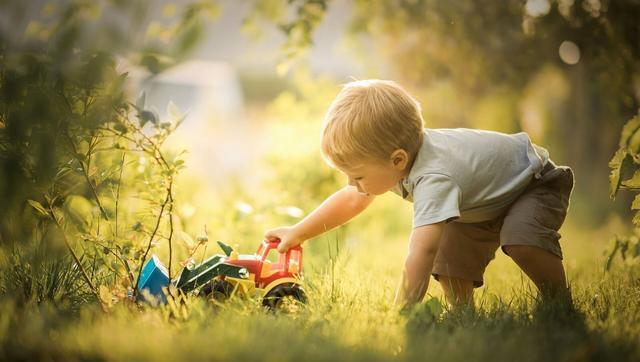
[(297, 25), (625, 174), (73, 147), (628, 247)]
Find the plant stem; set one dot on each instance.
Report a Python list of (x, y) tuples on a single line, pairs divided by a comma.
[(118, 193), (153, 234), (73, 254), (170, 192)]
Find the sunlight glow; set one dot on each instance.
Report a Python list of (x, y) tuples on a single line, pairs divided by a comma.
[(569, 52), (537, 8), (244, 208)]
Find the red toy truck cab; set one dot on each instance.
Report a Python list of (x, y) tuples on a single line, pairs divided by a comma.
[(264, 271)]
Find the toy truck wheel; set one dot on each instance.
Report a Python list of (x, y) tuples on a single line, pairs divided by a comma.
[(285, 296), (219, 290)]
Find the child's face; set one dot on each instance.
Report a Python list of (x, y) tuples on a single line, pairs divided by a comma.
[(375, 178)]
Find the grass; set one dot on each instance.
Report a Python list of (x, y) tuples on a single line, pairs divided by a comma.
[(348, 328), (350, 317)]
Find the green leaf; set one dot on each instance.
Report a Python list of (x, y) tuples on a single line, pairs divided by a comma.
[(616, 160), (169, 171), (633, 182), (38, 206), (628, 132), (120, 128), (622, 167), (634, 143), (79, 210), (152, 63), (435, 307), (636, 203), (173, 111), (179, 122), (612, 254), (187, 38), (636, 219), (147, 116)]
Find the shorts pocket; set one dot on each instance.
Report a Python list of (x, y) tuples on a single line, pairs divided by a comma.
[(551, 207)]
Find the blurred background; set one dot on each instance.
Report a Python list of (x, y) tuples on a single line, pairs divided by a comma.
[(564, 72)]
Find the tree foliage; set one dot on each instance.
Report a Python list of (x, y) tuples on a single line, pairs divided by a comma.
[(625, 174)]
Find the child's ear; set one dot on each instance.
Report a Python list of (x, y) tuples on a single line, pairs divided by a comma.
[(399, 158)]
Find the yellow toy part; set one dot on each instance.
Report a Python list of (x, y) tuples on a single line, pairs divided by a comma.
[(242, 286), (234, 253)]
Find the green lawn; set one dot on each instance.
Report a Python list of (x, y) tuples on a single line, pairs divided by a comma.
[(350, 316)]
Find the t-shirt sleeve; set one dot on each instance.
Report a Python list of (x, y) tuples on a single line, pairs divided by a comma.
[(436, 198)]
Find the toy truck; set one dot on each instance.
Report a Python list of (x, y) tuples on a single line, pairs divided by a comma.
[(223, 276)]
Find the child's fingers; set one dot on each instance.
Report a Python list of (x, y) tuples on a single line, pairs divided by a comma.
[(283, 247), (271, 234)]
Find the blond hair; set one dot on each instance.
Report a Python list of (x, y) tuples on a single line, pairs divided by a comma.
[(368, 120)]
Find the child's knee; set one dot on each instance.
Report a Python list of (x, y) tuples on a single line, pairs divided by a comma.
[(526, 253), (516, 252)]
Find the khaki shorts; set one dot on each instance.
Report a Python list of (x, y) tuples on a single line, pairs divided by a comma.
[(533, 219)]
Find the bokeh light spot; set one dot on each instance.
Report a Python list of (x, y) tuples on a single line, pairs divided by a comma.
[(569, 52), (537, 7)]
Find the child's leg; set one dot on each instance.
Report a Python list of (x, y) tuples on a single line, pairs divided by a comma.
[(542, 267), (457, 291), (530, 234), (465, 251)]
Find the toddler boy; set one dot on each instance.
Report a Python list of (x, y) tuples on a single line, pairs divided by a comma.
[(472, 191)]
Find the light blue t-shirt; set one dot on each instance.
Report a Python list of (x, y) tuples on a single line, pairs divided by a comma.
[(469, 175)]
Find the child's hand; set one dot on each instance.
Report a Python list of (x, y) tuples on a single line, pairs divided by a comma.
[(287, 236), (339, 208)]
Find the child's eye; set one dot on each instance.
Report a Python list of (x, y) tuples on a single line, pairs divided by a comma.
[(357, 178)]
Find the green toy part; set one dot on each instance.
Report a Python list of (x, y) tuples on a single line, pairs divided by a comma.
[(225, 248), (210, 268)]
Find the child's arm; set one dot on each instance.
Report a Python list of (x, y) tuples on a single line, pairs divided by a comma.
[(336, 210), (423, 247)]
